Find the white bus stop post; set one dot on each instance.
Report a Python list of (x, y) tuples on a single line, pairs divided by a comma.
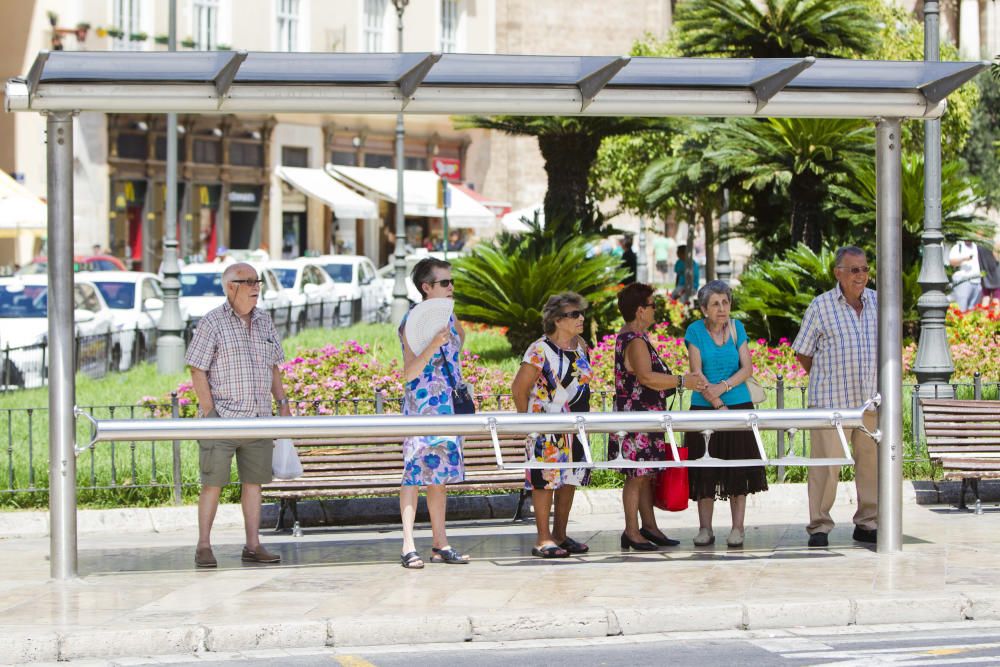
[(888, 232), (62, 388)]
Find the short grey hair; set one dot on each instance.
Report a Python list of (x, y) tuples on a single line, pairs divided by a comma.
[(230, 271), (847, 250), (554, 307), (711, 288)]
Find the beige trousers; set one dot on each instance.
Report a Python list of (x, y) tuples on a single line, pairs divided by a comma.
[(823, 479)]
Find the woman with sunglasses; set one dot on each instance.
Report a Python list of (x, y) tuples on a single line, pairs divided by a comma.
[(435, 460), (642, 382), (555, 377)]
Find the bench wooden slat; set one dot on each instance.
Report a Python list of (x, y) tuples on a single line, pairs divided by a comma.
[(963, 437)]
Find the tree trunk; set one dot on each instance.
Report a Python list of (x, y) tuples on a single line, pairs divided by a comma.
[(690, 288), (709, 224), (568, 159)]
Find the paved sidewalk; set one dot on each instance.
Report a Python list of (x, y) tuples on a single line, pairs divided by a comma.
[(140, 595)]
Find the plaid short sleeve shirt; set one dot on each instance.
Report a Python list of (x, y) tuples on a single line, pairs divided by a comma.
[(844, 349), (237, 359)]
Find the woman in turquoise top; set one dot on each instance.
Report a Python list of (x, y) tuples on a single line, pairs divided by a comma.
[(717, 347)]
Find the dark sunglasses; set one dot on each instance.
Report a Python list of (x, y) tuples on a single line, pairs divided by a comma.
[(249, 282), (650, 305), (855, 269), (573, 314), (447, 282)]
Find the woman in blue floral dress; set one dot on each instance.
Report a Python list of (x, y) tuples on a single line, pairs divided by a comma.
[(555, 376), (435, 460)]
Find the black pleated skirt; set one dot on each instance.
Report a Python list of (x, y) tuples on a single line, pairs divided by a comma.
[(723, 483)]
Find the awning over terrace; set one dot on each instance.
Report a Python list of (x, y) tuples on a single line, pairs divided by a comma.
[(432, 83), (318, 184)]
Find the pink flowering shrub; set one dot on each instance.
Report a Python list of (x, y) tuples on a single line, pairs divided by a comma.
[(974, 338)]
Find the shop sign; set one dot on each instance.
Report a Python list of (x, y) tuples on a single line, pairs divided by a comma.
[(247, 197), (447, 168)]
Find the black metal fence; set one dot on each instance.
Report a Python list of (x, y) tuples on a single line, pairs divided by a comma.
[(27, 367), (135, 471)]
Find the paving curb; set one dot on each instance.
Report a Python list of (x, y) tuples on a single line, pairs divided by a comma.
[(375, 511), (49, 646)]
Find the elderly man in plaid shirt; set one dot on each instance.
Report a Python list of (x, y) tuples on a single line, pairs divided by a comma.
[(234, 359), (838, 347)]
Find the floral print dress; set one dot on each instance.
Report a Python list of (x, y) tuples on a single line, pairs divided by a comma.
[(433, 459), (563, 386), (631, 395)]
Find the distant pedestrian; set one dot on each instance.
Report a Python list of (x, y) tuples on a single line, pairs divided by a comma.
[(991, 276), (630, 262), (837, 345), (431, 461), (967, 278), (717, 346), (554, 377), (661, 255), (234, 357), (682, 292)]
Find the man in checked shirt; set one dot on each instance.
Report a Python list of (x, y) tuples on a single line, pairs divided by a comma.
[(234, 357), (838, 347)]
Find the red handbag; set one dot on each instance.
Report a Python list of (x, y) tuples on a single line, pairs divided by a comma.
[(670, 492)]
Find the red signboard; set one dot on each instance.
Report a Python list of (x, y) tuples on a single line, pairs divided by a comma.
[(447, 168)]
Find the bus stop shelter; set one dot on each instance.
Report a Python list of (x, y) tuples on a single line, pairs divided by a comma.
[(62, 84)]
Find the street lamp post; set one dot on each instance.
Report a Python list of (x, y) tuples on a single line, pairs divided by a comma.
[(400, 304), (170, 341), (933, 366)]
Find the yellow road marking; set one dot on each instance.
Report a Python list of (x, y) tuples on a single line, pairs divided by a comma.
[(352, 661), (945, 651)]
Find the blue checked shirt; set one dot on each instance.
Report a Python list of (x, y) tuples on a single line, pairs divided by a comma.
[(844, 349)]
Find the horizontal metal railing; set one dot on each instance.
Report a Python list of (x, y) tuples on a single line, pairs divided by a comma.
[(497, 424)]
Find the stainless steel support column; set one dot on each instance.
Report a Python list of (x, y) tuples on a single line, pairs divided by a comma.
[(170, 340), (933, 365), (400, 304), (889, 237), (62, 394)]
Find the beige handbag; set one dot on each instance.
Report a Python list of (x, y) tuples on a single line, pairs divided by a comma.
[(757, 393)]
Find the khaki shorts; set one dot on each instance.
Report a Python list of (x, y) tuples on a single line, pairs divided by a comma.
[(253, 460)]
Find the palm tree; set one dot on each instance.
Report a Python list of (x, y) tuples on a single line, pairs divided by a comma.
[(779, 29), (569, 147), (794, 157)]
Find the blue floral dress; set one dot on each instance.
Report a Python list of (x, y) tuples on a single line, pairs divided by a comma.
[(433, 459)]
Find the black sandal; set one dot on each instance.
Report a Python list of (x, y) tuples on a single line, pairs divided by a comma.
[(574, 547), (410, 559), (448, 555), (549, 551)]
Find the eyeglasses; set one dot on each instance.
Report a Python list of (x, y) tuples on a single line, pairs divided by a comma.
[(249, 282), (855, 269), (447, 282), (573, 314), (650, 305)]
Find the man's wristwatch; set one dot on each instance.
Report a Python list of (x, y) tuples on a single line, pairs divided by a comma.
[(680, 381), (282, 401)]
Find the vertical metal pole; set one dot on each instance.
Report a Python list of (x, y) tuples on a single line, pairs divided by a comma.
[(175, 412), (170, 341), (933, 365), (779, 398), (723, 260), (977, 386), (641, 263), (400, 304), (889, 243), (62, 458)]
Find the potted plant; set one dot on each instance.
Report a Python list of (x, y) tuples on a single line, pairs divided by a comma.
[(188, 42), (138, 37), (115, 33), (162, 39), (223, 47), (53, 18)]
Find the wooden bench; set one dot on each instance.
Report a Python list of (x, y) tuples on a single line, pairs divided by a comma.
[(963, 438), (352, 467)]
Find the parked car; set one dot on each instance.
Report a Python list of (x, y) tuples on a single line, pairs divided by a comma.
[(355, 279), (24, 328), (136, 302), (310, 289), (201, 291), (387, 274), (40, 265)]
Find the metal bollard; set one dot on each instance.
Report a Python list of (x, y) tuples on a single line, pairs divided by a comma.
[(779, 393), (379, 402), (175, 411), (915, 418), (977, 384)]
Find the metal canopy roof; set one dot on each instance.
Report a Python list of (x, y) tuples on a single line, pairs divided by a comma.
[(432, 83)]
